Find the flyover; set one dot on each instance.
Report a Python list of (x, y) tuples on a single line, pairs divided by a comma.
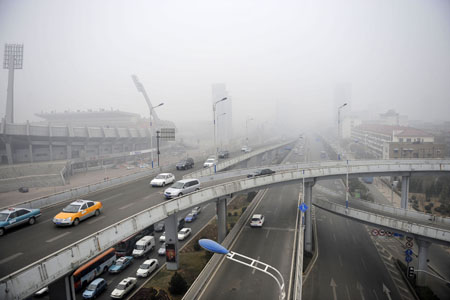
[(60, 264)]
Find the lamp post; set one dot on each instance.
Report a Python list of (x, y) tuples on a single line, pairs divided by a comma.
[(218, 131), (339, 128), (151, 129), (215, 247), (246, 130), (214, 118)]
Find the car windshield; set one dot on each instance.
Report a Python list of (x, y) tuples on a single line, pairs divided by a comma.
[(255, 220), (71, 208), (120, 262), (145, 266), (183, 231), (211, 160), (190, 215), (92, 287), (3, 217), (182, 162), (160, 177), (139, 247), (177, 185), (121, 286)]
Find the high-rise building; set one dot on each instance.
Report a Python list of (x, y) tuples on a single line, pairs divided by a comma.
[(224, 115)]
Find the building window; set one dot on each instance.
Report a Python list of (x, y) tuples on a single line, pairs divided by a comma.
[(400, 140), (408, 140)]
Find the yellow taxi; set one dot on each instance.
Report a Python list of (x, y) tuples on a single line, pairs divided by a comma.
[(77, 211)]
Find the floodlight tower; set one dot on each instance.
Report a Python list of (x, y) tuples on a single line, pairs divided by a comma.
[(13, 59)]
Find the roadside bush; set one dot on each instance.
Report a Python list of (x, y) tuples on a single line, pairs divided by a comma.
[(235, 214), (177, 284), (197, 247), (230, 214)]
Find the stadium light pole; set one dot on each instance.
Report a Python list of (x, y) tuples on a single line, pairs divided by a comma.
[(151, 129), (339, 127), (215, 247), (13, 59), (246, 130), (214, 122)]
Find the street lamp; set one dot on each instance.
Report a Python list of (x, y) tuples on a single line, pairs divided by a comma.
[(218, 131), (339, 127), (246, 129), (215, 247), (214, 118), (151, 129)]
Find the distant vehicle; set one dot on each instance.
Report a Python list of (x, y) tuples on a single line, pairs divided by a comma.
[(190, 217), (184, 233), (196, 210), (77, 211), (209, 163), (162, 249), (185, 164), (160, 227), (144, 245), (147, 268), (323, 155), (182, 187), (121, 264), (23, 189), (95, 288), (368, 179), (93, 268), (124, 287), (246, 149), (288, 148), (13, 217), (257, 220), (224, 154), (126, 246), (261, 172), (162, 179)]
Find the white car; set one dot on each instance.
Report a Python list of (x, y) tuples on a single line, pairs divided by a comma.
[(184, 233), (196, 210), (162, 179), (124, 287), (257, 220), (162, 249), (162, 238), (246, 149), (147, 268), (209, 163)]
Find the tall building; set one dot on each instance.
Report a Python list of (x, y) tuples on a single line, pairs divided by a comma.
[(224, 115)]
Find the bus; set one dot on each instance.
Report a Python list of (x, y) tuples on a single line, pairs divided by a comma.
[(93, 268), (126, 246)]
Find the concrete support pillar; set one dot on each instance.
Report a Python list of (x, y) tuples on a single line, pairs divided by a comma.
[(423, 261), (9, 153), (308, 228), (51, 151), (62, 288), (221, 209), (405, 190), (171, 225), (30, 152)]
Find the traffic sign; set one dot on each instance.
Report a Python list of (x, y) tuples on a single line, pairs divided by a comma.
[(408, 258), (389, 233), (303, 207), (396, 234), (409, 244), (408, 252), (409, 239), (375, 232), (382, 232)]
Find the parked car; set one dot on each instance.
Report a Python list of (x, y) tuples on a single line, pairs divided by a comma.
[(182, 187), (257, 220), (209, 163), (196, 210), (95, 288), (262, 172), (190, 217), (185, 164), (13, 217), (121, 264), (162, 179), (147, 268), (162, 249), (23, 189), (77, 211), (160, 227), (224, 154), (124, 287), (184, 233)]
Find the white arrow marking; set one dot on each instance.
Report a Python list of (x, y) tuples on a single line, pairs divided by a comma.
[(360, 288), (387, 291), (333, 286)]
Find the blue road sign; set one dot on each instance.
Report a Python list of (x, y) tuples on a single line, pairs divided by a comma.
[(396, 234), (408, 258), (303, 207), (408, 252)]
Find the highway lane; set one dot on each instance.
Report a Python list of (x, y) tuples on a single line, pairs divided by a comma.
[(18, 247)]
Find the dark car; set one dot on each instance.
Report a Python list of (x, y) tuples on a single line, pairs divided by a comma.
[(262, 172), (159, 227), (23, 189), (185, 164), (224, 154)]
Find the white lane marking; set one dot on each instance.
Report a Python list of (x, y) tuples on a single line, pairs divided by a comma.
[(126, 206), (253, 271), (10, 257), (364, 264), (348, 292), (340, 261), (334, 237), (267, 234), (113, 196), (96, 219), (58, 237)]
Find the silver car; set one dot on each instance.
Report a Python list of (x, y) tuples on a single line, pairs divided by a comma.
[(182, 187)]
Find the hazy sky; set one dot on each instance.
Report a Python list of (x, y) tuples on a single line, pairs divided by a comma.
[(81, 54)]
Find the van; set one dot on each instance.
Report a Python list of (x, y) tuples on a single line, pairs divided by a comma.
[(126, 246), (182, 187), (144, 245)]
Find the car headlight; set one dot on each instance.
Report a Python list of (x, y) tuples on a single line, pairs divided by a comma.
[(68, 219)]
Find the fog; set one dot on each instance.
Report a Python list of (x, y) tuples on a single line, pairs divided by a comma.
[(278, 59)]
